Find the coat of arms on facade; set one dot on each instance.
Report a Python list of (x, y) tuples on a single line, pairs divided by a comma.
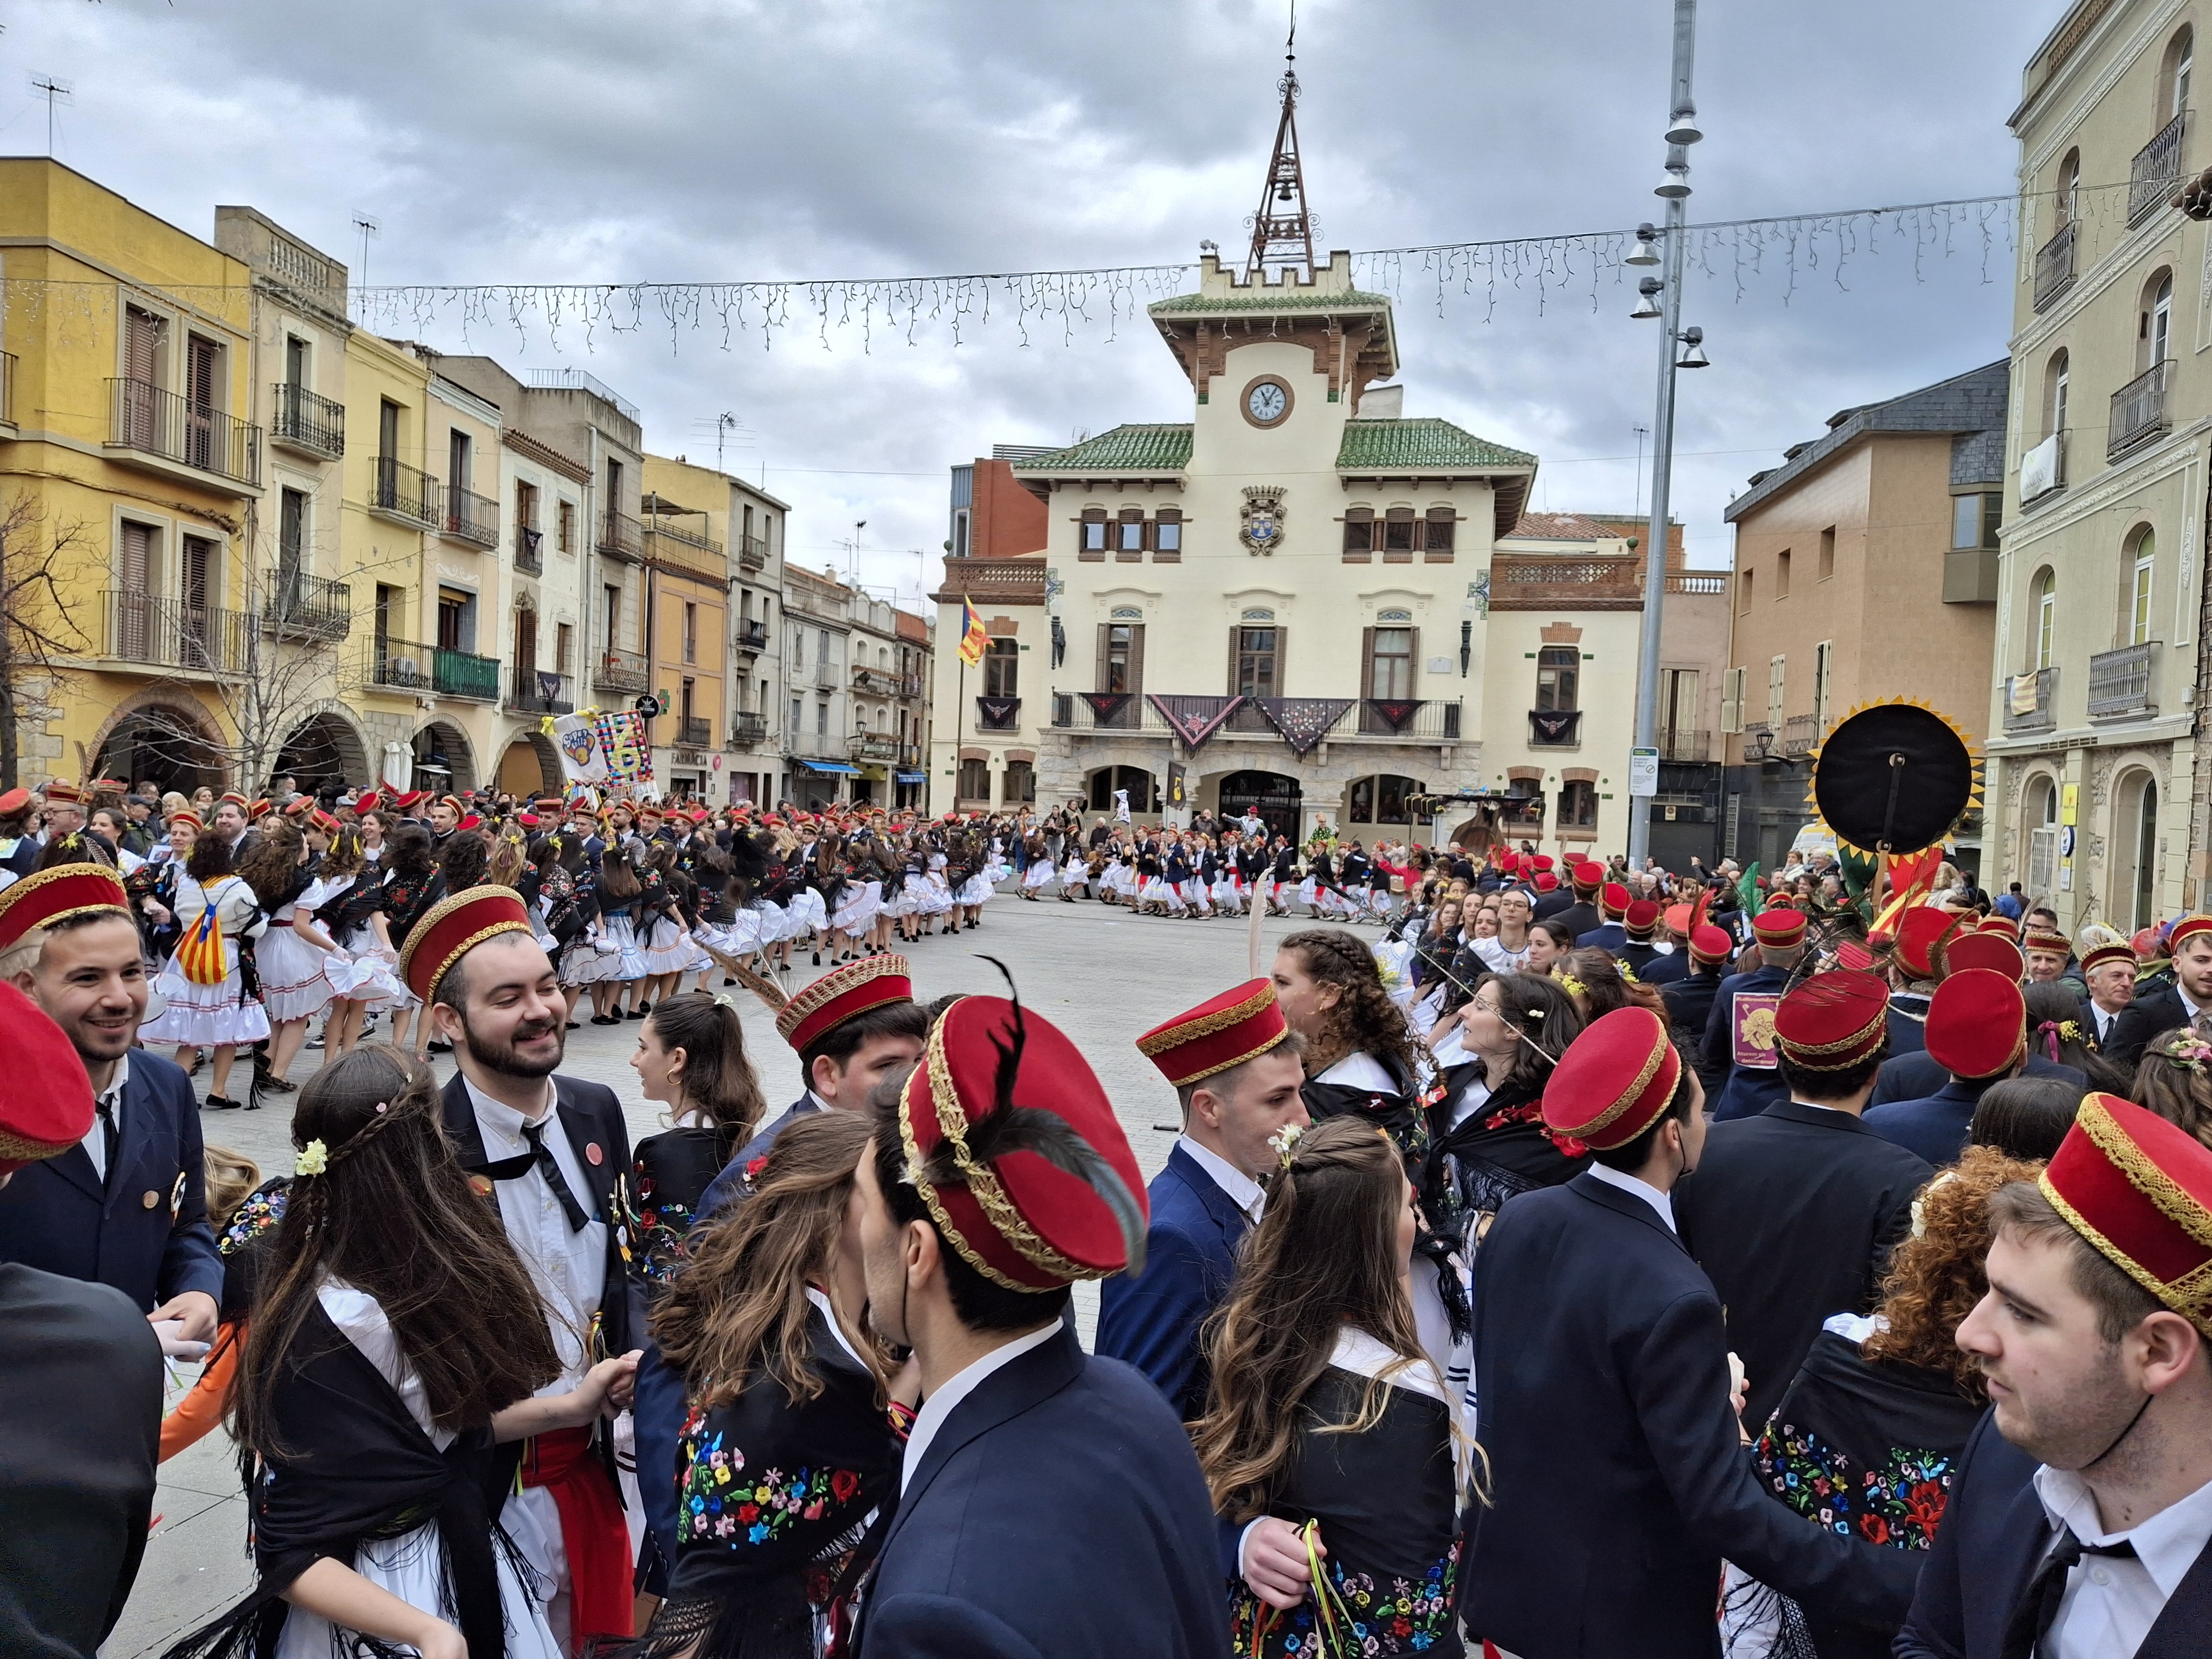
[(1262, 531)]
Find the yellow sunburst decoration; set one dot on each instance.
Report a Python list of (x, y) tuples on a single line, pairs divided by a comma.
[(1857, 758)]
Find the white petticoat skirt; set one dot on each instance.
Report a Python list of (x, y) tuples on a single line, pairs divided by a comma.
[(857, 907), (976, 890), (668, 949), (613, 956), (408, 1566), (293, 983), (205, 1016)]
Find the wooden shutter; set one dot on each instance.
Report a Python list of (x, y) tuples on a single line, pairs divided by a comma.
[(142, 344), (1732, 700), (1091, 516), (1101, 679), (1282, 657), (1414, 662), (1366, 662), (138, 557), (1167, 515), (1438, 535), (1136, 659), (1358, 534), (1235, 643), (525, 649)]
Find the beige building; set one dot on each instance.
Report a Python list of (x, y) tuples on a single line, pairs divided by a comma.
[(1865, 568), (2096, 789)]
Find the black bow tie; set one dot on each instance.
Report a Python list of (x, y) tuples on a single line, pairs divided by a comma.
[(2038, 1608), (540, 1157)]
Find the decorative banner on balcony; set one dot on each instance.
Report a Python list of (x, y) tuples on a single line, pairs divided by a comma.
[(549, 687), (1551, 724), (998, 713), (1303, 722), (1193, 718), (577, 737), (1104, 705), (621, 740), (1396, 712)]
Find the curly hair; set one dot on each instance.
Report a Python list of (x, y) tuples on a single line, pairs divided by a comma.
[(1363, 1019), (1936, 1276)]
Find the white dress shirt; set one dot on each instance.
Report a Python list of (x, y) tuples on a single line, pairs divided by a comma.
[(1663, 1202), (1246, 1193), (957, 1387), (95, 1140), (569, 1268), (2102, 1020), (2112, 1601)]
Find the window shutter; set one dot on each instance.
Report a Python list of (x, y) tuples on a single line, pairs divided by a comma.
[(1437, 534), (1236, 638), (1414, 662), (1100, 682), (1136, 659), (1732, 701), (1167, 515), (1366, 662), (1282, 660), (1358, 534), (138, 556)]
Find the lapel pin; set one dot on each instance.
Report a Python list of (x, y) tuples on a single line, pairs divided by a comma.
[(151, 1200), (591, 1151)]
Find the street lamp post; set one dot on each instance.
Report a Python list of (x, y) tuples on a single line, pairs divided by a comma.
[(1667, 290)]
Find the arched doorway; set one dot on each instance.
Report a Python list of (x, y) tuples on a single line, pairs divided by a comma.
[(168, 746), (2038, 821), (323, 756), (1144, 791), (2135, 840), (530, 766), (1278, 799), (443, 764)]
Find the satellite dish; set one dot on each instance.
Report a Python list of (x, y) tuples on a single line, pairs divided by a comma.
[(1894, 777)]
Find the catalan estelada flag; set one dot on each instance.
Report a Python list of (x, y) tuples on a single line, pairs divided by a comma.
[(973, 637)]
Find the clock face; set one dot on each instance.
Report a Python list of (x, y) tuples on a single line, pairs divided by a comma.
[(1266, 402)]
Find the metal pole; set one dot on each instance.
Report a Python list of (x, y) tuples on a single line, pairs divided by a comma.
[(1662, 434)]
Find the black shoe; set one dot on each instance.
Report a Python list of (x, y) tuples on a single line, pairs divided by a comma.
[(573, 1026), (437, 1047), (817, 958), (636, 1013), (276, 1086), (727, 982), (218, 1103)]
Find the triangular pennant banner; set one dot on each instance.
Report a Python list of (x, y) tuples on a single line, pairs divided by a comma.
[(1104, 705), (1303, 722), (1396, 712), (998, 713), (1193, 718)]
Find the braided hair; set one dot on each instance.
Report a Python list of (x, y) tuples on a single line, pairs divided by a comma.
[(1363, 1019)]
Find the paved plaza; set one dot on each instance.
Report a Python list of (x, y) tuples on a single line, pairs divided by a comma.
[(1101, 974)]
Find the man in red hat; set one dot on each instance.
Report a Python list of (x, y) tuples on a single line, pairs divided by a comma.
[(1914, 970), (1617, 1480), (1636, 951), (1579, 915), (1049, 1501), (2082, 1508), (1690, 999), (553, 1153), (2048, 952), (1739, 1041), (1234, 1065), (128, 1207), (19, 841), (1919, 1075), (80, 1372), (1978, 1034), (2109, 971), (1610, 933), (1792, 1213), (2189, 942)]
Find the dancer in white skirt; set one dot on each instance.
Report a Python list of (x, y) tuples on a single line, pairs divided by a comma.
[(345, 907), (1074, 872), (665, 948), (294, 988), (218, 1015), (857, 905), (605, 958)]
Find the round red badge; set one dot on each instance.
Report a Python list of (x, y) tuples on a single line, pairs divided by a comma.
[(591, 1151)]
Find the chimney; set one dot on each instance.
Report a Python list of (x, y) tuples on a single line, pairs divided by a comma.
[(1381, 403)]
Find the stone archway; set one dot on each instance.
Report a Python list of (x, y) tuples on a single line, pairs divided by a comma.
[(1276, 796), (167, 739), (529, 766), (325, 753), (444, 762)]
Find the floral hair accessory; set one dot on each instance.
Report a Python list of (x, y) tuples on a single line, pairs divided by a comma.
[(1919, 1212), (2189, 1052), (315, 1158), (1570, 984), (382, 1107), (1284, 1141)]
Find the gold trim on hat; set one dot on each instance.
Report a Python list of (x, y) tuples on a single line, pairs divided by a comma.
[(445, 907), (1792, 1051), (1155, 1043), (1267, 1047), (811, 998), (1612, 1113), (22, 887)]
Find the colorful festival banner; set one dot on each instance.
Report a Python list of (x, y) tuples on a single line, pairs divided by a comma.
[(577, 737), (622, 741), (1303, 722)]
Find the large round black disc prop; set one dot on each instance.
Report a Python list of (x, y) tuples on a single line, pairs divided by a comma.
[(1853, 777)]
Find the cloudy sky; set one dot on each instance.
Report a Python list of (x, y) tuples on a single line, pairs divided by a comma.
[(563, 142)]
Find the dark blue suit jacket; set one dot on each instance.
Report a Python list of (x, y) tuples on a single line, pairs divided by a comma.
[(1059, 1511), (1666, 967), (1190, 1254), (1745, 1093), (1908, 1023), (1611, 937), (1935, 1128), (1918, 1075), (56, 1216), (1616, 1475)]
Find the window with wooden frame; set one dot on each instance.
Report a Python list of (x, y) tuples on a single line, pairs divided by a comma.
[(1437, 535), (1002, 664), (568, 518), (1558, 675), (976, 780), (1167, 535), (1255, 660), (1090, 534), (1578, 805), (525, 505), (1386, 674), (1121, 657), (1017, 783), (1358, 534), (1398, 536), (1129, 536)]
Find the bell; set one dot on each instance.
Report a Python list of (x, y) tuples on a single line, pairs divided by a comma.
[(1283, 191), (1673, 185)]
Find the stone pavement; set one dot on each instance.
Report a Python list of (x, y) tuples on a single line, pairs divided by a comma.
[(1100, 973)]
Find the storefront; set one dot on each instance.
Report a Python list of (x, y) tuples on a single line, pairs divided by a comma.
[(819, 784)]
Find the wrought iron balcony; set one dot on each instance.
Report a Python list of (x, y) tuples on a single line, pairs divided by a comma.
[(145, 418), (407, 494), (170, 633), (2155, 171), (2121, 683), (300, 604), (2031, 701), (1555, 728), (746, 727), (470, 517), (1434, 721), (464, 674), (695, 731), (751, 634), (2042, 470), (1800, 734), (874, 746), (621, 536), (307, 422), (669, 541), (1680, 746), (753, 553), (2140, 411), (2054, 266), (534, 691), (876, 681), (619, 670), (529, 550), (400, 665)]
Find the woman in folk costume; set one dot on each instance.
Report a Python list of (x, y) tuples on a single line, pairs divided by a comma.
[(1039, 871), (411, 886), (209, 1006), (936, 896), (1227, 887), (290, 964), (858, 902), (973, 890), (1329, 1426), (691, 1056), (885, 869), (1487, 1137), (788, 1448), (374, 1383), (664, 943), (621, 965), (1074, 870)]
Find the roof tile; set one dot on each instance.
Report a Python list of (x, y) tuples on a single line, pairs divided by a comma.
[(1420, 445), (1162, 447)]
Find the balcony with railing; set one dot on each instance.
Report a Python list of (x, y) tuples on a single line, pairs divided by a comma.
[(1433, 721), (2031, 701), (470, 517), (619, 670), (695, 731), (875, 682), (748, 728), (534, 692), (874, 746), (529, 550), (825, 676), (909, 685), (410, 665), (2154, 172), (146, 420), (2042, 470), (2054, 266), (1543, 581), (671, 543), (753, 553), (299, 604), (407, 494), (307, 422), (1706, 583), (2140, 410), (1555, 728), (751, 634), (1680, 745), (170, 633), (1801, 733), (621, 536), (1418, 721), (1010, 581), (2122, 683)]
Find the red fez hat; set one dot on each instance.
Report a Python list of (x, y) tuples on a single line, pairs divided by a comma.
[(2004, 925), (45, 1100), (410, 801), (2139, 1191), (528, 820), (15, 800), (1508, 862), (1711, 943), (1587, 876), (233, 798), (1985, 951), (1833, 1021), (299, 806), (1546, 882), (454, 801), (1541, 861), (185, 815), (323, 821), (841, 994), (1015, 1217), (649, 811), (2104, 953), (470, 821), (368, 801), (1612, 899), (547, 803), (2187, 928), (2049, 941), (61, 792), (1614, 1080), (1678, 921), (1918, 930), (47, 896), (259, 809), (453, 927), (1641, 917), (1977, 1024), (1853, 955), (1220, 1032), (1781, 928)]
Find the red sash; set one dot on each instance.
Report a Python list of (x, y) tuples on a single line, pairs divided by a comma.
[(592, 1532)]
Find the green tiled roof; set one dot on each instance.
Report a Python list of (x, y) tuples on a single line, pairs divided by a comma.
[(1269, 299), (1421, 446), (1164, 447)]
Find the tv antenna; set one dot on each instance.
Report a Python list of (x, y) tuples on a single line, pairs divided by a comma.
[(368, 225), (56, 91)]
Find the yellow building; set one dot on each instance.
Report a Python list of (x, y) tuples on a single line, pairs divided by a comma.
[(685, 514)]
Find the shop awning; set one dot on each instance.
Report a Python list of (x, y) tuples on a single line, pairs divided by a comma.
[(831, 766), (910, 777)]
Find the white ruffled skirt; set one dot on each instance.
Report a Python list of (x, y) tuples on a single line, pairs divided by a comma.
[(293, 985), (205, 1016), (857, 907), (408, 1566)]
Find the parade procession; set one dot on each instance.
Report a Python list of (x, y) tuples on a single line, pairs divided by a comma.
[(597, 1063)]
